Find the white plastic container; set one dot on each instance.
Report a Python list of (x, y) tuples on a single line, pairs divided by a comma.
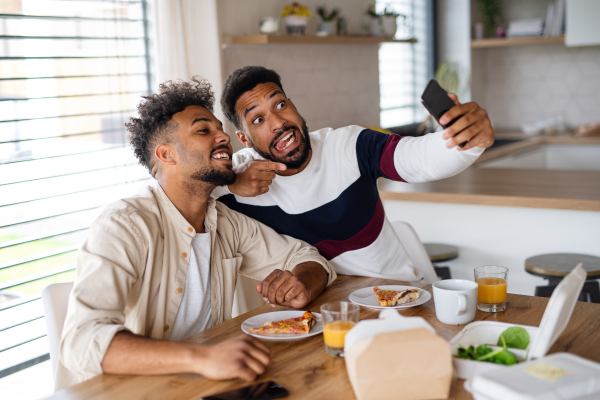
[(484, 332), (555, 320), (559, 376)]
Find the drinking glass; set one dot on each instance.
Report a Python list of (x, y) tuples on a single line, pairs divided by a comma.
[(338, 318), (491, 291)]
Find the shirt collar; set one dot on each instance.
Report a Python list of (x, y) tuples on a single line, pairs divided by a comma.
[(210, 221)]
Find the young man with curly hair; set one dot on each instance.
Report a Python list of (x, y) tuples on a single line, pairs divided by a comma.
[(324, 188), (161, 266)]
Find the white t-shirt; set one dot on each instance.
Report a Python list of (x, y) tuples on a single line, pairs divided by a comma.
[(194, 314)]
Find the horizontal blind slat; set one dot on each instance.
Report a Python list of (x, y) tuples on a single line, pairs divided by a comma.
[(36, 277), (75, 192), (71, 76), (27, 16), (39, 256), (29, 239), (67, 116)]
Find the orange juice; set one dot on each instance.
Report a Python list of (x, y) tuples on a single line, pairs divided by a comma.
[(491, 290), (334, 333)]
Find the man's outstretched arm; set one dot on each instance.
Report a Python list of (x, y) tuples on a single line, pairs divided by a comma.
[(241, 357), (431, 157)]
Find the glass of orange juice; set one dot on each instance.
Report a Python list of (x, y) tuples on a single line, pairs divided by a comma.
[(491, 291), (338, 318)]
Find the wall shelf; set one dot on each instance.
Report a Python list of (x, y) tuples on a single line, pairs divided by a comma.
[(523, 41), (309, 39)]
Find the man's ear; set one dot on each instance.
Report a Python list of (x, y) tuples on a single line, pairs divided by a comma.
[(164, 153), (243, 138)]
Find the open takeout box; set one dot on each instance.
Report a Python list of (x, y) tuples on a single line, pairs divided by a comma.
[(397, 356), (555, 320)]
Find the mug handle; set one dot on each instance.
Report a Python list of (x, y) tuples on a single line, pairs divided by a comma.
[(462, 304)]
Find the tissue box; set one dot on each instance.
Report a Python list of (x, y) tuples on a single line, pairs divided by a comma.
[(408, 364)]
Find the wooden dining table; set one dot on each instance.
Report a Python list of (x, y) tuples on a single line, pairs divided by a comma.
[(303, 367)]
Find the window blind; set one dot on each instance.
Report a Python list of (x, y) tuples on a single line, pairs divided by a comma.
[(71, 74), (404, 70)]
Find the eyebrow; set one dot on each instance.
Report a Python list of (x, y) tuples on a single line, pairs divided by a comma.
[(275, 93), (247, 110), (200, 119)]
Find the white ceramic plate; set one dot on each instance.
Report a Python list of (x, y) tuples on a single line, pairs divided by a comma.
[(259, 320), (365, 297)]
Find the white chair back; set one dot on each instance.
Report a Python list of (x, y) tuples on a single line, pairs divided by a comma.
[(55, 298), (415, 250)]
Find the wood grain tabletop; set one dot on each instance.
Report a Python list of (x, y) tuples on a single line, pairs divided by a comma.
[(509, 187), (303, 367)]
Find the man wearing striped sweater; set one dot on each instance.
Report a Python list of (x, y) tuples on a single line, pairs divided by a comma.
[(321, 186)]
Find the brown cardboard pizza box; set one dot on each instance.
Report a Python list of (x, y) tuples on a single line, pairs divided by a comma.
[(406, 359)]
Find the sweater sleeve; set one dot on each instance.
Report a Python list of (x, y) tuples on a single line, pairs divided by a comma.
[(426, 158), (410, 159)]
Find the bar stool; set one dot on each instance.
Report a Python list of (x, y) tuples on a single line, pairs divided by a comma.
[(554, 267), (439, 252)]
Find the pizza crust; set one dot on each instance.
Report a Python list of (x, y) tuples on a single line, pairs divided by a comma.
[(298, 325), (390, 298)]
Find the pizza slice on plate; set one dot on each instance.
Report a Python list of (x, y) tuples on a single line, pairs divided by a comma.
[(298, 325), (390, 298)]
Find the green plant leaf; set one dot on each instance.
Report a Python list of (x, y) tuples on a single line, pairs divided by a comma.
[(505, 357), (515, 337)]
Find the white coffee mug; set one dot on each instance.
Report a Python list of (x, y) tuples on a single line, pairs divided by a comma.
[(455, 301)]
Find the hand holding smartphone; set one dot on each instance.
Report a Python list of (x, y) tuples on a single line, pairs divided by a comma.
[(437, 102)]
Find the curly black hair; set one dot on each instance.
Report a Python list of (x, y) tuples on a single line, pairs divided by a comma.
[(156, 110), (241, 81)]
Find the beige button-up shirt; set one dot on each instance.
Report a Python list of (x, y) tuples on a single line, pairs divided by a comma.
[(131, 273)]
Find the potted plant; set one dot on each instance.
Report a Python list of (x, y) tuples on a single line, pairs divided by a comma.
[(295, 17), (383, 23), (492, 12), (326, 27)]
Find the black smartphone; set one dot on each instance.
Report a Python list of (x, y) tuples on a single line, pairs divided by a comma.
[(437, 102), (261, 391)]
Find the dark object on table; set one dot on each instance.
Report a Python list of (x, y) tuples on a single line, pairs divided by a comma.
[(439, 252), (555, 267), (260, 391)]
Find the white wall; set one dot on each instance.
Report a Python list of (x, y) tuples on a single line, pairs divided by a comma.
[(525, 84), (504, 236), (332, 86), (242, 17)]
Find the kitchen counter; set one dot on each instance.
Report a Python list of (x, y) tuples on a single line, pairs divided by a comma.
[(536, 188)]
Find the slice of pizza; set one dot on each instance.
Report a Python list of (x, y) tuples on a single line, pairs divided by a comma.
[(390, 298), (298, 325)]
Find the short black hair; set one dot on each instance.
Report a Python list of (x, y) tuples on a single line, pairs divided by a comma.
[(241, 81), (157, 109)]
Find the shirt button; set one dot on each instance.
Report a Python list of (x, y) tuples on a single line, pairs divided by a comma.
[(179, 290), (167, 327), (183, 255), (190, 229)]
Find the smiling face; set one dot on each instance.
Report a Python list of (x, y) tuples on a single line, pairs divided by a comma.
[(203, 149), (273, 126)]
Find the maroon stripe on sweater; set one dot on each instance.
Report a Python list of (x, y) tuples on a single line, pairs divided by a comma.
[(386, 162), (367, 235)]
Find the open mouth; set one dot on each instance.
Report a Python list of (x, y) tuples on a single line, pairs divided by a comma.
[(285, 142), (221, 154)]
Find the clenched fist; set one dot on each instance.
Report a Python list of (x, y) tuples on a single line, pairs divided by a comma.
[(284, 289)]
